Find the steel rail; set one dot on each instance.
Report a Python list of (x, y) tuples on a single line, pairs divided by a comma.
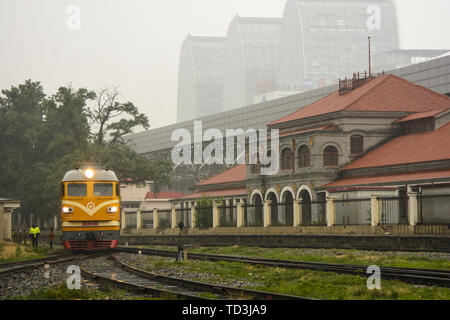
[(412, 275), (224, 291), (135, 287), (11, 267)]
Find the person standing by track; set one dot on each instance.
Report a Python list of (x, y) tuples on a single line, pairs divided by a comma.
[(34, 234)]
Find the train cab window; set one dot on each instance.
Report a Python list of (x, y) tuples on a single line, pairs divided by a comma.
[(103, 189), (117, 189), (62, 190), (77, 189)]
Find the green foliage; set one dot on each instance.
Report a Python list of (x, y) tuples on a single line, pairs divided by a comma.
[(41, 137), (204, 212), (164, 223), (111, 119), (61, 292), (18, 251), (303, 283)]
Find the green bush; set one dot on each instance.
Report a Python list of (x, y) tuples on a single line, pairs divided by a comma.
[(204, 213)]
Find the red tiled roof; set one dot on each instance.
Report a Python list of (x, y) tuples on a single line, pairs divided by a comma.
[(411, 148), (421, 115), (235, 174), (387, 93), (416, 176), (163, 195), (217, 193)]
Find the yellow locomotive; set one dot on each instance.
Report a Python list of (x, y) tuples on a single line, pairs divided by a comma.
[(90, 208)]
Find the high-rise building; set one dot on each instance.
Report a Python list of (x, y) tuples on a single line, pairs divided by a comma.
[(251, 60), (323, 40), (200, 77)]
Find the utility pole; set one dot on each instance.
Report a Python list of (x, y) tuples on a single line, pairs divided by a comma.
[(370, 61)]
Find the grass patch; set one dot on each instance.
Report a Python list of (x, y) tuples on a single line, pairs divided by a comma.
[(13, 252), (339, 256), (305, 283), (61, 292)]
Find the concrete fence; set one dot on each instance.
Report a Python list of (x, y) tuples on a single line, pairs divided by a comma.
[(374, 211)]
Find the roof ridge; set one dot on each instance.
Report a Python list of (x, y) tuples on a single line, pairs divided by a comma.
[(422, 87), (204, 182), (279, 120), (367, 92)]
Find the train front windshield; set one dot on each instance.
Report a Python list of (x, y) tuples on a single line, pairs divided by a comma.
[(103, 189), (77, 189)]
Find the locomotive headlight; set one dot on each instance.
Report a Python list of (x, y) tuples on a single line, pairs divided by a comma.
[(111, 209), (89, 173), (67, 209)]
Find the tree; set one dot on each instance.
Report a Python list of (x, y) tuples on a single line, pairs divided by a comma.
[(129, 165), (106, 110), (42, 137)]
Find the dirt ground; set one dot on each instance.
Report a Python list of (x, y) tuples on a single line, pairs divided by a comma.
[(9, 249)]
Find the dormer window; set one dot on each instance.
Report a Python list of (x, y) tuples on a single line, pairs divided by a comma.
[(416, 126)]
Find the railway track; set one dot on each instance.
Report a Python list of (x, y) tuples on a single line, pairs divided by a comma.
[(123, 275), (418, 276), (22, 278), (10, 267)]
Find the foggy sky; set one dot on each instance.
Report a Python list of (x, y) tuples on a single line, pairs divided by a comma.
[(135, 44)]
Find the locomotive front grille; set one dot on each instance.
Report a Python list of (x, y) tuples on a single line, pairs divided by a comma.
[(78, 244), (96, 244)]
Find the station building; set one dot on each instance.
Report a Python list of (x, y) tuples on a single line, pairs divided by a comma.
[(377, 139), (7, 207)]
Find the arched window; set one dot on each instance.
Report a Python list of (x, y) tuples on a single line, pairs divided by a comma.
[(286, 159), (356, 144), (330, 157), (303, 157), (255, 168)]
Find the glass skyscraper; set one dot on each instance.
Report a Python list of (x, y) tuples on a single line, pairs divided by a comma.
[(251, 60), (315, 43), (323, 40), (200, 77)]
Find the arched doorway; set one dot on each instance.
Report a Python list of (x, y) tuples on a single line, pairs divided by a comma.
[(306, 207), (273, 208), (288, 201), (256, 219)]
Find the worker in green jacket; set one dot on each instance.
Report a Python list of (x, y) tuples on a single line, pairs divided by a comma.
[(34, 234)]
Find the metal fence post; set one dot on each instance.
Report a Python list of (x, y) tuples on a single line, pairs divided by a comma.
[(266, 212), (413, 209), (331, 211), (375, 210)]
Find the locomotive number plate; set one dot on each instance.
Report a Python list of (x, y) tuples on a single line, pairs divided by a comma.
[(90, 223)]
